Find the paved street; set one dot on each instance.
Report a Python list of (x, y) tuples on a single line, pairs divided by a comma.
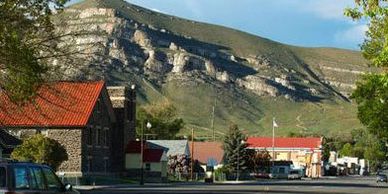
[(337, 185)]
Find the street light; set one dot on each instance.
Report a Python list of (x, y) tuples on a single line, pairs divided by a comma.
[(142, 151), (238, 161)]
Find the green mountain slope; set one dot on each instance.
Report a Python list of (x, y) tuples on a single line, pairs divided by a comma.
[(249, 79)]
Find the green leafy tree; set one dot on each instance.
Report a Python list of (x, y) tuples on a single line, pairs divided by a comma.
[(26, 40), (372, 91), (347, 150), (30, 45), (41, 149), (234, 150), (375, 154), (164, 120), (365, 145)]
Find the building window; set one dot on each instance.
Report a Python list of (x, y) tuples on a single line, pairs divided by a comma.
[(89, 139), (97, 136), (148, 167), (106, 137), (106, 163), (98, 106), (90, 163)]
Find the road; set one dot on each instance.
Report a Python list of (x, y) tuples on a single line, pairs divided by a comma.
[(338, 185)]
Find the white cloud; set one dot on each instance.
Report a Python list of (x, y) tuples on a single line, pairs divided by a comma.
[(353, 35)]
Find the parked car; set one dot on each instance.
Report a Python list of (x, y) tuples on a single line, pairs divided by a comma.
[(381, 178), (294, 174), (261, 175), (26, 177)]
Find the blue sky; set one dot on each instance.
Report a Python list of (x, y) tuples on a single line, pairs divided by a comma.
[(312, 23)]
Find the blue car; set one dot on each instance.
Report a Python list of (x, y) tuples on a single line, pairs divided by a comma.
[(26, 177), (381, 178)]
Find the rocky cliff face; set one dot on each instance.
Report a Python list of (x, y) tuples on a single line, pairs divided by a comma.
[(158, 51), (140, 48)]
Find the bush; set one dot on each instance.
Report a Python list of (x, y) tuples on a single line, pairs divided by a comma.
[(40, 149)]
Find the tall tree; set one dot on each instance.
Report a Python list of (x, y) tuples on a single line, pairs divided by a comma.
[(234, 149), (163, 117), (372, 91), (25, 33), (32, 50)]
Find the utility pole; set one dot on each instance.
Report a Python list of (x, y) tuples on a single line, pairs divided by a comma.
[(213, 115), (192, 153), (142, 154), (142, 150), (273, 143)]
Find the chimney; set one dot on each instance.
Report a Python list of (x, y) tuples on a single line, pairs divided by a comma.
[(124, 105)]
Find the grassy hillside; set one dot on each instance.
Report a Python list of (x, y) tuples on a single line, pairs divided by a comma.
[(309, 67), (254, 115)]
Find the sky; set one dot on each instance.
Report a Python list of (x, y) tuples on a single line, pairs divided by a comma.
[(310, 23)]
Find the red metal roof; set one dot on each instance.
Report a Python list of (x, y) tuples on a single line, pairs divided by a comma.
[(61, 104), (133, 147), (203, 151), (284, 142), (150, 155)]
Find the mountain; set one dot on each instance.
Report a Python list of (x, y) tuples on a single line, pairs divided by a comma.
[(198, 66)]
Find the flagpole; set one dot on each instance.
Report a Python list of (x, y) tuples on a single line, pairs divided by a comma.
[(273, 143)]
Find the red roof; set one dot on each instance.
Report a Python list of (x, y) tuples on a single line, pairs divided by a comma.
[(203, 151), (284, 142), (61, 104), (133, 147), (150, 155)]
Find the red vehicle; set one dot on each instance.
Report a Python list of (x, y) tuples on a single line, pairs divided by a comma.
[(261, 175)]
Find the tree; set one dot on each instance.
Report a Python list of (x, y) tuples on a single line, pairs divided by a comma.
[(347, 150), (41, 149), (365, 145), (179, 165), (258, 161), (371, 94), (164, 120), (234, 149), (31, 45), (24, 24)]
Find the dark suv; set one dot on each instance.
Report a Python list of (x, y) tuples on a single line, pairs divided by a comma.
[(24, 177)]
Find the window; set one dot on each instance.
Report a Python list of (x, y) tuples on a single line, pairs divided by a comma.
[(106, 165), (148, 167), (97, 136), (21, 178), (3, 177), (106, 137), (89, 163), (37, 178), (90, 136), (282, 170), (53, 183)]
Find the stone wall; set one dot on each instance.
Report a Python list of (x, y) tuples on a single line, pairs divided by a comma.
[(97, 143), (69, 138)]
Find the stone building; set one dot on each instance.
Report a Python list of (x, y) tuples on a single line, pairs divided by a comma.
[(92, 125)]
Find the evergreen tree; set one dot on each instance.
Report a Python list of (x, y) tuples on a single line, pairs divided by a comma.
[(234, 149)]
